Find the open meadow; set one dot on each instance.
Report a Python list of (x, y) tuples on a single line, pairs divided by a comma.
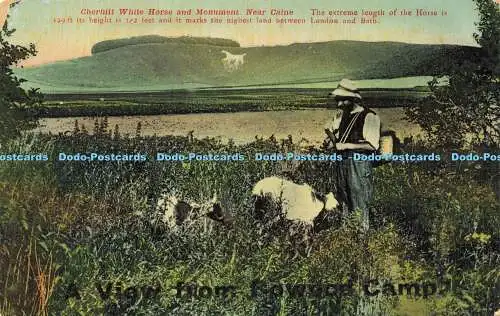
[(241, 127), (237, 114)]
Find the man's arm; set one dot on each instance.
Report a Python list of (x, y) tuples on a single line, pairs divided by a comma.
[(371, 130), (351, 146)]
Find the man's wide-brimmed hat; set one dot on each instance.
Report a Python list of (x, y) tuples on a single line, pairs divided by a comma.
[(346, 88)]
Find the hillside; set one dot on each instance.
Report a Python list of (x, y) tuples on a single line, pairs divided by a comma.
[(156, 63), (157, 39)]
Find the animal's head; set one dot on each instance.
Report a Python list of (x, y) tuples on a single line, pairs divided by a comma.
[(328, 217), (217, 213), (331, 202)]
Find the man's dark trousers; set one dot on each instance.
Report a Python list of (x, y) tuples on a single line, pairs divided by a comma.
[(355, 185)]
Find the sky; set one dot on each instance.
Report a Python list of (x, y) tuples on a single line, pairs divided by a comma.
[(34, 21)]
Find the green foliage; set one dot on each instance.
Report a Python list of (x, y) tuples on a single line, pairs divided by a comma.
[(466, 111), (489, 37), (16, 104)]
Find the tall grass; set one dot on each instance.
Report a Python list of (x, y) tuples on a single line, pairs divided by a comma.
[(69, 230)]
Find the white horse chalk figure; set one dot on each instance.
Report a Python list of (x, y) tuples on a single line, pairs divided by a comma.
[(232, 62)]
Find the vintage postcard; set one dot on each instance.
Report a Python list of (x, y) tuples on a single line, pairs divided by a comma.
[(249, 157)]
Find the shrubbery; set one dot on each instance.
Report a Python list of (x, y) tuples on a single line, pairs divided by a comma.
[(85, 225), (16, 105)]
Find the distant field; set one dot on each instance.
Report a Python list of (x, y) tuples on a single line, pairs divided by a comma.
[(242, 127), (213, 101), (405, 83), (238, 113), (410, 82)]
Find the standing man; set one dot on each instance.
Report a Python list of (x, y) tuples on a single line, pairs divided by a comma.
[(356, 129)]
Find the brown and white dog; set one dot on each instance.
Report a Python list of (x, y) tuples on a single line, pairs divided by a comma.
[(176, 212)]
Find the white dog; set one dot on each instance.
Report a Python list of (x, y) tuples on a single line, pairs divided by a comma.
[(296, 202), (293, 211)]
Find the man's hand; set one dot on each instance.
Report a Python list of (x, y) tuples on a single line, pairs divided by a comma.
[(328, 144), (330, 140), (330, 135)]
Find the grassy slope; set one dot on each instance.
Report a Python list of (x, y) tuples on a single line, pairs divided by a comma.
[(167, 65)]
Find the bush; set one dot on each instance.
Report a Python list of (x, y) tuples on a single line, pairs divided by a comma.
[(18, 107)]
